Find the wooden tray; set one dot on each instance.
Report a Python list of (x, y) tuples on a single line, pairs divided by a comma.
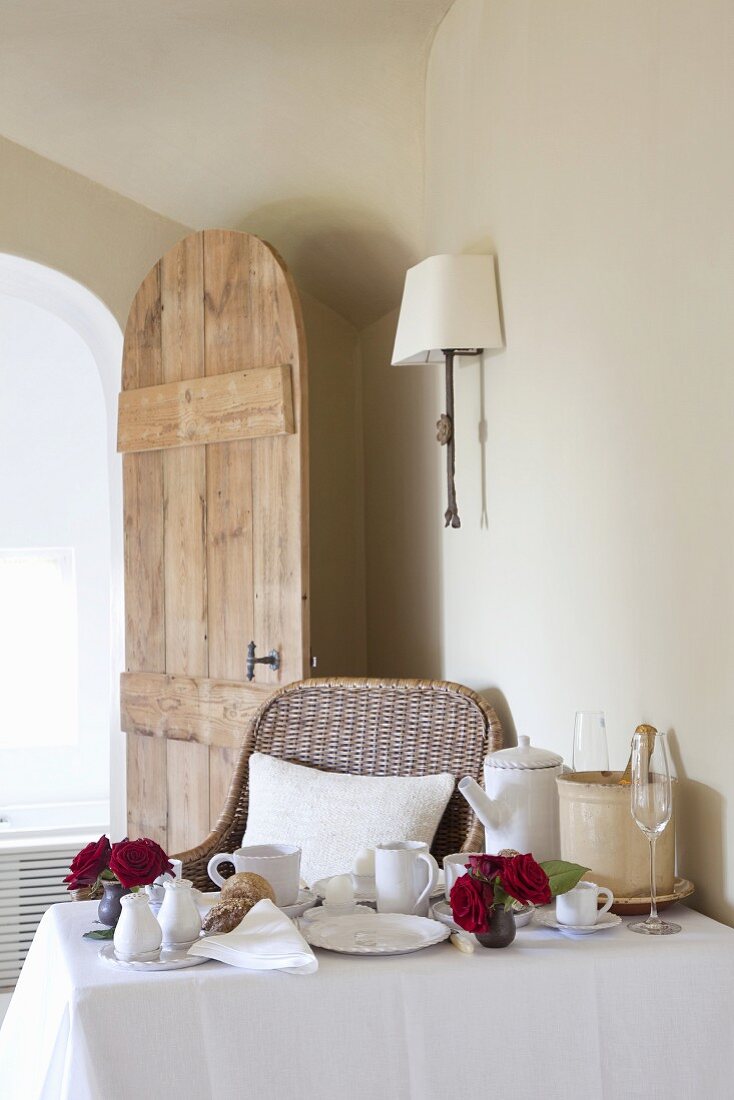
[(632, 907)]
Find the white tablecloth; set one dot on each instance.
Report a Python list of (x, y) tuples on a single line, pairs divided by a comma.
[(609, 1016)]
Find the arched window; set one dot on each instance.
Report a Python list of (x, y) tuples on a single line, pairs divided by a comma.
[(60, 542)]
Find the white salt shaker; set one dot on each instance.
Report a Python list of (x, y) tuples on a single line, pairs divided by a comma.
[(138, 933), (179, 917)]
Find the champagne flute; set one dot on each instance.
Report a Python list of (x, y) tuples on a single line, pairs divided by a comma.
[(590, 751), (651, 804)]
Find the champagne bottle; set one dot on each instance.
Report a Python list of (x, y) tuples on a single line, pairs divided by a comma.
[(625, 780)]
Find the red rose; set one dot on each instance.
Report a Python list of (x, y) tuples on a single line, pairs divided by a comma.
[(88, 864), (525, 880), (468, 904), (488, 867), (138, 862)]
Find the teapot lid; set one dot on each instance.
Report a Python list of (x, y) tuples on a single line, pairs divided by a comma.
[(525, 757)]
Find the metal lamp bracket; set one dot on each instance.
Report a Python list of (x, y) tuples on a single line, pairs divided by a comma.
[(445, 433)]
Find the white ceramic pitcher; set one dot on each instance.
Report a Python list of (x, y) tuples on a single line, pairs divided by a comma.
[(519, 808), (405, 875)]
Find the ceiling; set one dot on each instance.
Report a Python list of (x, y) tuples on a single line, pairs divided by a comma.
[(299, 120)]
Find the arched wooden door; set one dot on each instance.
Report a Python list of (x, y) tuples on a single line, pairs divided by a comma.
[(213, 430)]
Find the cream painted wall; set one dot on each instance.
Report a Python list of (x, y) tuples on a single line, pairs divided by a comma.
[(336, 484), (405, 615), (61, 219), (589, 144)]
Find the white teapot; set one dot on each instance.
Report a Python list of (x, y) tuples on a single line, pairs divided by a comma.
[(520, 806)]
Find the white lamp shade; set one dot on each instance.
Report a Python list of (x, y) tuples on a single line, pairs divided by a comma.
[(448, 302)]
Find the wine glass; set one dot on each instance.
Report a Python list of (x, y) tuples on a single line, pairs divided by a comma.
[(590, 751), (651, 805)]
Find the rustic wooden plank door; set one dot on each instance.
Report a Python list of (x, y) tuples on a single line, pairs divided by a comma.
[(215, 477)]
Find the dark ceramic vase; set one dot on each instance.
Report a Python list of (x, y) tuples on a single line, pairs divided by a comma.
[(501, 929), (109, 908)]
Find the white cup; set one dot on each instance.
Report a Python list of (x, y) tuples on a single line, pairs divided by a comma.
[(578, 906), (405, 875), (454, 867), (280, 864)]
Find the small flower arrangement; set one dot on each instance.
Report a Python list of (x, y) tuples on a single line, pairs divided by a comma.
[(132, 863), (494, 882)]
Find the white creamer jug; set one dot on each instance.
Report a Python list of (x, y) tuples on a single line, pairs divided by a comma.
[(179, 915)]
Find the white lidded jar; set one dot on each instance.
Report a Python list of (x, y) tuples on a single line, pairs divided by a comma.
[(519, 806), (179, 917), (138, 933)]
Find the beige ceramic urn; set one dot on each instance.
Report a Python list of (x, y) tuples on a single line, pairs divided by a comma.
[(599, 832)]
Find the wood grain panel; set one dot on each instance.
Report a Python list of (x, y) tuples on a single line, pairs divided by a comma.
[(141, 355), (222, 763), (184, 511), (280, 569), (188, 794), (147, 790), (240, 405), (230, 343), (145, 636), (182, 309), (229, 558), (188, 708), (184, 489)]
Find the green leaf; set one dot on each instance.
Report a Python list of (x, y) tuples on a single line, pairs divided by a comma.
[(501, 897), (100, 934), (562, 876)]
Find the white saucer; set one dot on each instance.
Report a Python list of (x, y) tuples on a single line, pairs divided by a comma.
[(548, 920), (204, 901), (306, 900), (374, 933), (368, 892), (170, 959), (441, 910)]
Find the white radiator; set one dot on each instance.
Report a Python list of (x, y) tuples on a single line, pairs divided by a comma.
[(31, 879)]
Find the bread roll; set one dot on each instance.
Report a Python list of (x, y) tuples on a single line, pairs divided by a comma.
[(247, 886), (225, 916)]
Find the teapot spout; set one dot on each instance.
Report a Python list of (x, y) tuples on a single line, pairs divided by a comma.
[(478, 800)]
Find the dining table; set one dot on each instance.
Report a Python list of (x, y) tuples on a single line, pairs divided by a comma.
[(600, 1017)]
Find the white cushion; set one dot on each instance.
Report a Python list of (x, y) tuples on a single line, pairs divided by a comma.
[(331, 816)]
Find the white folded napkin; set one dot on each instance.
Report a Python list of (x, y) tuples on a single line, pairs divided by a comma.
[(263, 940)]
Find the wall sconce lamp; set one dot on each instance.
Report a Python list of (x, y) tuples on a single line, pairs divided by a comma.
[(449, 308)]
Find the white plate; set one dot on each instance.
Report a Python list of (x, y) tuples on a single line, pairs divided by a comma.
[(369, 893), (548, 920), (170, 959), (441, 910), (374, 933)]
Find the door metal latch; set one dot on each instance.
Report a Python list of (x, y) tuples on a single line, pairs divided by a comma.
[(272, 659)]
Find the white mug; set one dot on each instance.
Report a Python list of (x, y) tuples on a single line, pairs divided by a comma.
[(578, 906), (405, 875), (280, 864), (454, 866)]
